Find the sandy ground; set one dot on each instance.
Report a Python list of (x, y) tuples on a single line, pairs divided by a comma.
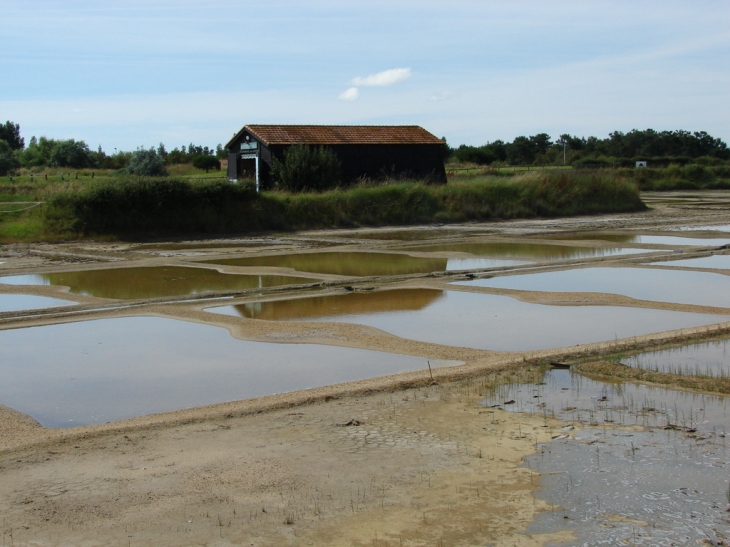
[(388, 461)]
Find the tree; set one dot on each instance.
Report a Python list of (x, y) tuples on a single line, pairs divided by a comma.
[(10, 133), (206, 163), (474, 154), (147, 163), (8, 161), (70, 153), (307, 168)]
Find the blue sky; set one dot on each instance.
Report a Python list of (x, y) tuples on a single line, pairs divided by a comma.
[(129, 73)]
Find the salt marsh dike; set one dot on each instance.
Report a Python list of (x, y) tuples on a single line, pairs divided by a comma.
[(532, 382)]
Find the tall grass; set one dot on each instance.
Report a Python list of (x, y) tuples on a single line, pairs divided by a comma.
[(147, 207)]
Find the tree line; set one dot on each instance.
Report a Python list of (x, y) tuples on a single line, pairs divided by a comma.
[(44, 152), (618, 148)]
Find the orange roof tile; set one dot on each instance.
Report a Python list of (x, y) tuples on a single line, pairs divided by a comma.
[(342, 134)]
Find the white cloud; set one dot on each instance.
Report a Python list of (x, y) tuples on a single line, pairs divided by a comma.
[(350, 95), (387, 77)]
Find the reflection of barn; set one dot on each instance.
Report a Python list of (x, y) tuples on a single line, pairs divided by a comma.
[(364, 151)]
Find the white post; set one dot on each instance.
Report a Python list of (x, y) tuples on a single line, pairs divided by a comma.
[(257, 173)]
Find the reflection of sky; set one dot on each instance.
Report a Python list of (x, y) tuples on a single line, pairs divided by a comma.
[(20, 302), (96, 371), (682, 287), (455, 264), (715, 261), (676, 240), (707, 358), (486, 321)]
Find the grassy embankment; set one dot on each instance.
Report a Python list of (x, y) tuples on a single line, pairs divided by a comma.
[(144, 208)]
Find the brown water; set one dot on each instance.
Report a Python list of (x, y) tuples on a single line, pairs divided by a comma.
[(481, 321), (676, 286), (97, 371), (151, 282), (524, 251), (359, 264), (336, 305), (21, 302)]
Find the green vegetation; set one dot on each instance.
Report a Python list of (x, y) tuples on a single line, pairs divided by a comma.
[(659, 148), (146, 163), (147, 207), (306, 168), (206, 163)]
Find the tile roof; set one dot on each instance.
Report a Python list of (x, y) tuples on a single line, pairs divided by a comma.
[(342, 134)]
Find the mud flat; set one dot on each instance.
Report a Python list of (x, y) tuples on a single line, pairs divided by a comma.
[(413, 458)]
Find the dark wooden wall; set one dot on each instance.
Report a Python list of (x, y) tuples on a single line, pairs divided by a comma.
[(372, 161)]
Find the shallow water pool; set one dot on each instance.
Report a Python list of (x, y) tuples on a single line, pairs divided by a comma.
[(151, 282), (102, 370), (21, 302), (481, 321), (524, 251), (720, 262), (676, 286), (707, 358)]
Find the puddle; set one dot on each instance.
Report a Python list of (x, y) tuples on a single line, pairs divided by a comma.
[(705, 359), (97, 371), (21, 302), (152, 282), (622, 487), (720, 262), (481, 321), (525, 251), (677, 286), (360, 264)]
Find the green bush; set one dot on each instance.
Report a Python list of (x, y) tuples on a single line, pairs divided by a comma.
[(8, 161), (306, 168), (146, 163), (206, 163), (144, 205)]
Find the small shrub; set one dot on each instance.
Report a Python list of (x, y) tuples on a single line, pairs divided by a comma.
[(146, 163)]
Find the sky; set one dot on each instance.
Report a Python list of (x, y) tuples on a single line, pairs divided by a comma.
[(123, 74)]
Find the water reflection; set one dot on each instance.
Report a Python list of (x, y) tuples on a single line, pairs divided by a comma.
[(705, 359), (21, 302), (336, 305), (96, 371), (481, 321), (359, 264), (151, 282), (720, 262), (527, 251), (682, 287)]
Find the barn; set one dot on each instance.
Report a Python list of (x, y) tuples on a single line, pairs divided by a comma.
[(364, 151)]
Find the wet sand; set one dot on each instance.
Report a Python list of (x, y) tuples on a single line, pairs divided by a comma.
[(418, 464)]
